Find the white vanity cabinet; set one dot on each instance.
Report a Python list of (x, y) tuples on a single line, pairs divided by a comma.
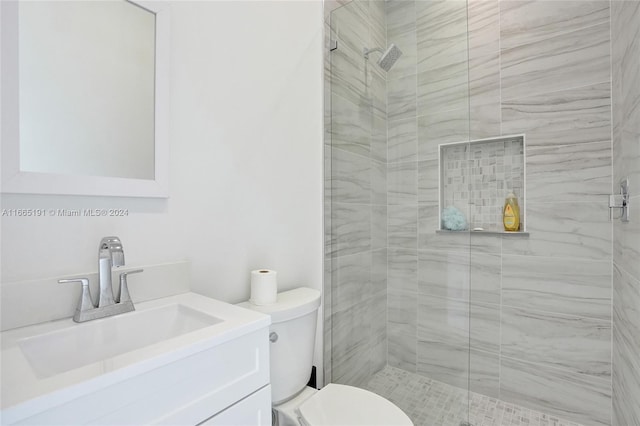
[(216, 375)]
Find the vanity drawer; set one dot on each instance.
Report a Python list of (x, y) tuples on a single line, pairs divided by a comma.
[(187, 391), (254, 410)]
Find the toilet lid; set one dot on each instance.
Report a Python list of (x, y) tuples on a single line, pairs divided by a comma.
[(350, 406)]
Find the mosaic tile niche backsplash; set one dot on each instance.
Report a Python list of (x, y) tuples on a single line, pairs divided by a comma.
[(477, 176)]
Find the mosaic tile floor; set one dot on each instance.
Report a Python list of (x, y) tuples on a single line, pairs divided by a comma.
[(431, 403)]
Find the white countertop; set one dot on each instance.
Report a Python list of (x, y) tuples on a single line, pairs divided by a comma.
[(23, 392)]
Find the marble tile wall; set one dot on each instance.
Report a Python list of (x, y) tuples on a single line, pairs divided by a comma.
[(355, 290), (625, 33), (537, 310)]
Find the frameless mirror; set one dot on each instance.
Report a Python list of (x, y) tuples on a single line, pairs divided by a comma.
[(84, 109)]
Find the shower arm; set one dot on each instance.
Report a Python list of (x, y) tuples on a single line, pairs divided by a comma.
[(367, 51)]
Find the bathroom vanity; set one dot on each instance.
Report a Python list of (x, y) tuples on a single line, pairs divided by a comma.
[(184, 359)]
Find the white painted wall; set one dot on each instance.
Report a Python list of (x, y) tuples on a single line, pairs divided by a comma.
[(246, 161)]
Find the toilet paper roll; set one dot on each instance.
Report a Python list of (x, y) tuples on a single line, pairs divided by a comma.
[(264, 287)]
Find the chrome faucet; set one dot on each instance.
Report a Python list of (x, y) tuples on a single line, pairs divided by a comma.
[(110, 254)]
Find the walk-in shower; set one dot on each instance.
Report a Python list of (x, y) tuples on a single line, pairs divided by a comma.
[(472, 100)]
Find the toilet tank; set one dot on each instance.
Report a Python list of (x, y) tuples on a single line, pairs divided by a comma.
[(293, 320)]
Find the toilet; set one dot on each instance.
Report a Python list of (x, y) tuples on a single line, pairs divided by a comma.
[(292, 335)]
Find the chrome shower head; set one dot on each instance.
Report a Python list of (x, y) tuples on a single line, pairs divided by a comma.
[(388, 58)]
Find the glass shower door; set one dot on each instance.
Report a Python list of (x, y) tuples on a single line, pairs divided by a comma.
[(397, 283)]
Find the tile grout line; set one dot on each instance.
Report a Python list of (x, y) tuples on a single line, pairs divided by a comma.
[(612, 233)]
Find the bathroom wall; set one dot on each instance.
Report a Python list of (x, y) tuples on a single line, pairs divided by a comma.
[(355, 195), (245, 171), (625, 42), (540, 310)]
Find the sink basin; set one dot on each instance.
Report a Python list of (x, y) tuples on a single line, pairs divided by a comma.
[(139, 367), (63, 350)]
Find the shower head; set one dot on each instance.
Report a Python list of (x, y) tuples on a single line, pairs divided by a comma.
[(388, 58)]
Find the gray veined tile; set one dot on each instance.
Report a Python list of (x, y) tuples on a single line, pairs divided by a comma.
[(401, 346), (351, 24), (401, 329), (484, 118), (376, 90), (401, 30), (351, 125), (625, 383), (626, 159), (378, 182), (569, 60), (402, 226), (484, 373), (483, 28), (350, 279), (378, 331), (443, 89), (441, 28), (428, 175), (626, 308), (630, 80), (484, 68), (578, 172), (578, 397), (402, 269), (445, 362), (402, 183), (573, 229), (350, 228), (379, 271), (379, 137), (351, 177), (567, 286), (457, 322), (441, 127), (577, 344), (626, 243), (351, 344), (348, 74), (626, 346), (379, 227), (402, 307), (485, 277), (402, 140), (443, 273), (565, 117), (378, 16), (485, 244), (524, 22), (442, 320), (401, 98)]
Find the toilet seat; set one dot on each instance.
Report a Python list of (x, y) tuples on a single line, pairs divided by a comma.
[(340, 405)]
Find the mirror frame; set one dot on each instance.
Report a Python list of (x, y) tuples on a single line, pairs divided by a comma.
[(21, 182)]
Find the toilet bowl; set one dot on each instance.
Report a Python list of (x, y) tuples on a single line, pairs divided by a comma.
[(292, 335)]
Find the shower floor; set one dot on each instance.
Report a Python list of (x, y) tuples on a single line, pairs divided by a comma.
[(431, 403)]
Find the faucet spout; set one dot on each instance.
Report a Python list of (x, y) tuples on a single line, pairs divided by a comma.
[(110, 254)]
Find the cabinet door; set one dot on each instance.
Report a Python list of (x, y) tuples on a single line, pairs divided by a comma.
[(253, 410)]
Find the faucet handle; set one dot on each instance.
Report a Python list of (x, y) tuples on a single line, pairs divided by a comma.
[(124, 289), (85, 303)]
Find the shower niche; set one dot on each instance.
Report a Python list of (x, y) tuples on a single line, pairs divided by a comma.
[(476, 176)]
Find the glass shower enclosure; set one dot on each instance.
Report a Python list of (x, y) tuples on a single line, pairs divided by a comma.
[(435, 112), (397, 292)]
